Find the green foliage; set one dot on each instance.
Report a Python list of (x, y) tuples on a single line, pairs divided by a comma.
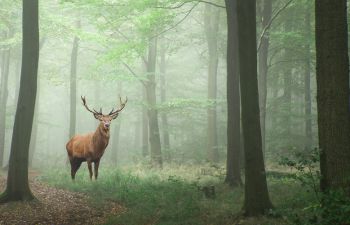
[(153, 197), (332, 207)]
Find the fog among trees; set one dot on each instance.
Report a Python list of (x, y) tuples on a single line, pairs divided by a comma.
[(174, 112)]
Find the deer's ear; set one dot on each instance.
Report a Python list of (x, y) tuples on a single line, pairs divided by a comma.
[(114, 116), (97, 116)]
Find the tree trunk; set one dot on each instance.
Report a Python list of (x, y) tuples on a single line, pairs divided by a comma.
[(5, 66), (17, 180), (233, 167), (73, 86), (116, 133), (257, 199), (154, 137), (332, 76), (164, 117), (211, 25), (307, 83), (263, 57), (287, 83), (33, 138), (145, 138), (17, 74)]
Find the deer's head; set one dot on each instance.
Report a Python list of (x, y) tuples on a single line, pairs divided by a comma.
[(106, 119)]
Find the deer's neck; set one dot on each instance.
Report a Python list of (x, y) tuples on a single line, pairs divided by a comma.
[(100, 138)]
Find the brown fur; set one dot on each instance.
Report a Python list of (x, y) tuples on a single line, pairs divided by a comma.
[(89, 147)]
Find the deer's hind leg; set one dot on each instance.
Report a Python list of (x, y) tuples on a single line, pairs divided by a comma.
[(75, 164)]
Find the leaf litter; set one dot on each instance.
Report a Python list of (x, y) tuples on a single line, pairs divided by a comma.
[(55, 206)]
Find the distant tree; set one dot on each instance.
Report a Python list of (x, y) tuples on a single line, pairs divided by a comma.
[(150, 86), (233, 167), (332, 76), (256, 199), (73, 86), (145, 131), (287, 80), (116, 132), (307, 80), (211, 27), (263, 65), (163, 88), (17, 188), (5, 65)]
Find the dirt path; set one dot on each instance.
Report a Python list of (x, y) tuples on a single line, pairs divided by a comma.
[(55, 206)]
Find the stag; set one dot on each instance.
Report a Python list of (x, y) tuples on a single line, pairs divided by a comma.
[(90, 147)]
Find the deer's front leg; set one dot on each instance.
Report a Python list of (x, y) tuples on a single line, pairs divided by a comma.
[(90, 168), (97, 163)]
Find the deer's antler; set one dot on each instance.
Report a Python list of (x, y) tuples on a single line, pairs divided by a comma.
[(92, 111), (122, 105)]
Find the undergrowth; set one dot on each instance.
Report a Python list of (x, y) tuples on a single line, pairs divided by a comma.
[(174, 196)]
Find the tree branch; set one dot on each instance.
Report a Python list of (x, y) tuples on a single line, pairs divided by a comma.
[(270, 22), (133, 72), (176, 24), (183, 3)]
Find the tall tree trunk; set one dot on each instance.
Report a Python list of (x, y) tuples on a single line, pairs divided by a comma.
[(73, 86), (332, 76), (5, 66), (33, 138), (154, 137), (211, 25), (307, 83), (164, 117), (145, 134), (17, 74), (233, 167), (17, 180), (287, 83), (263, 57), (257, 199), (116, 133)]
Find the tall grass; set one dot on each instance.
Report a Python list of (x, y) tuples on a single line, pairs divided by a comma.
[(173, 196), (154, 197)]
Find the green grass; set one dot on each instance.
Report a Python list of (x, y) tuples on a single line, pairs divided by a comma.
[(172, 196)]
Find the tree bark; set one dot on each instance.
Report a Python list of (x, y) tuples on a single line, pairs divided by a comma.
[(163, 115), (154, 136), (263, 57), (257, 199), (287, 83), (5, 66), (307, 83), (145, 138), (73, 86), (116, 133), (233, 162), (33, 138), (211, 25), (332, 76), (17, 180)]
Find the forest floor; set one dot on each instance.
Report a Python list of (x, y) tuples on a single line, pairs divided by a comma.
[(141, 196), (55, 206)]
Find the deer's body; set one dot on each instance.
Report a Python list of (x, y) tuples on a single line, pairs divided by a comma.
[(90, 147)]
